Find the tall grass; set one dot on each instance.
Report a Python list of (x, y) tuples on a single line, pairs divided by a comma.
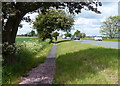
[(80, 63), (30, 52)]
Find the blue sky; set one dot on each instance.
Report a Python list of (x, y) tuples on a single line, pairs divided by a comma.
[(87, 21)]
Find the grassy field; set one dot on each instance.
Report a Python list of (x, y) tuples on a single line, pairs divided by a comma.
[(115, 40), (104, 39), (30, 53), (80, 63)]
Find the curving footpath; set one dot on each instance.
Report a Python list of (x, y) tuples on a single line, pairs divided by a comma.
[(44, 73)]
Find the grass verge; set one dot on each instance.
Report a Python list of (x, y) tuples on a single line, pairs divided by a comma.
[(30, 53), (80, 63), (104, 39)]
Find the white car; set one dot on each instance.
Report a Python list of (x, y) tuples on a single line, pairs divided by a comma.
[(98, 38), (68, 38)]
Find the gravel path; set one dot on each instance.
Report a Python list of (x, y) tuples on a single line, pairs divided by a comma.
[(44, 73)]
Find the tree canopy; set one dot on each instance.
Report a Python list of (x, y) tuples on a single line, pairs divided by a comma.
[(52, 20), (82, 35), (77, 33), (68, 34), (110, 27), (32, 33)]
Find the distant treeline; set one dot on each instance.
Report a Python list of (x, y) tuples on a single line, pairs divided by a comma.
[(30, 34)]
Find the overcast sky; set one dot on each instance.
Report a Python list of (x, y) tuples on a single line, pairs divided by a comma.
[(87, 21)]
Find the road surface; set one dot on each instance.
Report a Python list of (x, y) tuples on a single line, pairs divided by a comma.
[(102, 43)]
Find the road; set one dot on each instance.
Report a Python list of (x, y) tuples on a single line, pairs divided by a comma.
[(102, 43)]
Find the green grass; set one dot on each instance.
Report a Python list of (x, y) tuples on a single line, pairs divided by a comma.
[(25, 39), (80, 63), (104, 39), (31, 52), (115, 40), (87, 38)]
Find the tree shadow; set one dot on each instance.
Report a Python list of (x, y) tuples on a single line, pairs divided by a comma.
[(63, 41), (85, 64)]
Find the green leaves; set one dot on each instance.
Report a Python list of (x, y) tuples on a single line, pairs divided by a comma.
[(68, 34), (77, 32), (52, 20), (111, 26)]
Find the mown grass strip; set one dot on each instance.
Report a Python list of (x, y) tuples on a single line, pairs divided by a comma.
[(79, 63), (114, 40)]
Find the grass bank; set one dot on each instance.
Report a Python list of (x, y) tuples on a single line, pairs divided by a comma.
[(80, 63), (104, 39), (30, 53)]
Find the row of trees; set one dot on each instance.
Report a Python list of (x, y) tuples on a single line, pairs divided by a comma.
[(30, 34), (111, 27), (76, 34)]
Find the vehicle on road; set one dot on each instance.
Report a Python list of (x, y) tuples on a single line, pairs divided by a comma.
[(75, 38), (98, 38), (69, 38)]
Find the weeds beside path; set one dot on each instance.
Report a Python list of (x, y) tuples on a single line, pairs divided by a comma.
[(30, 53)]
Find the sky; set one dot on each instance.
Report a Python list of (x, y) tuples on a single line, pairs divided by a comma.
[(87, 21)]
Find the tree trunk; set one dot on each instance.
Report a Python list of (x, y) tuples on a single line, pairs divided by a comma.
[(9, 34), (11, 28)]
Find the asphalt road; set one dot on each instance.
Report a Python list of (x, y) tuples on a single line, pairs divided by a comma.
[(102, 43)]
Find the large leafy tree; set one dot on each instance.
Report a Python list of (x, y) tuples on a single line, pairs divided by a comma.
[(14, 12), (52, 20), (110, 27)]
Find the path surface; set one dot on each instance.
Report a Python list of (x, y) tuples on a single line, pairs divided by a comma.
[(102, 43), (44, 73)]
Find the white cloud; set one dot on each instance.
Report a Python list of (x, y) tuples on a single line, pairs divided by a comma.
[(90, 22), (27, 27)]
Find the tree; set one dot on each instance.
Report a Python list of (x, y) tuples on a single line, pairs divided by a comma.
[(32, 33), (77, 33), (55, 35), (82, 35), (67, 35), (14, 12), (52, 20), (111, 26)]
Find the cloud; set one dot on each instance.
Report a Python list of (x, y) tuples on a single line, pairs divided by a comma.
[(26, 26), (90, 22)]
